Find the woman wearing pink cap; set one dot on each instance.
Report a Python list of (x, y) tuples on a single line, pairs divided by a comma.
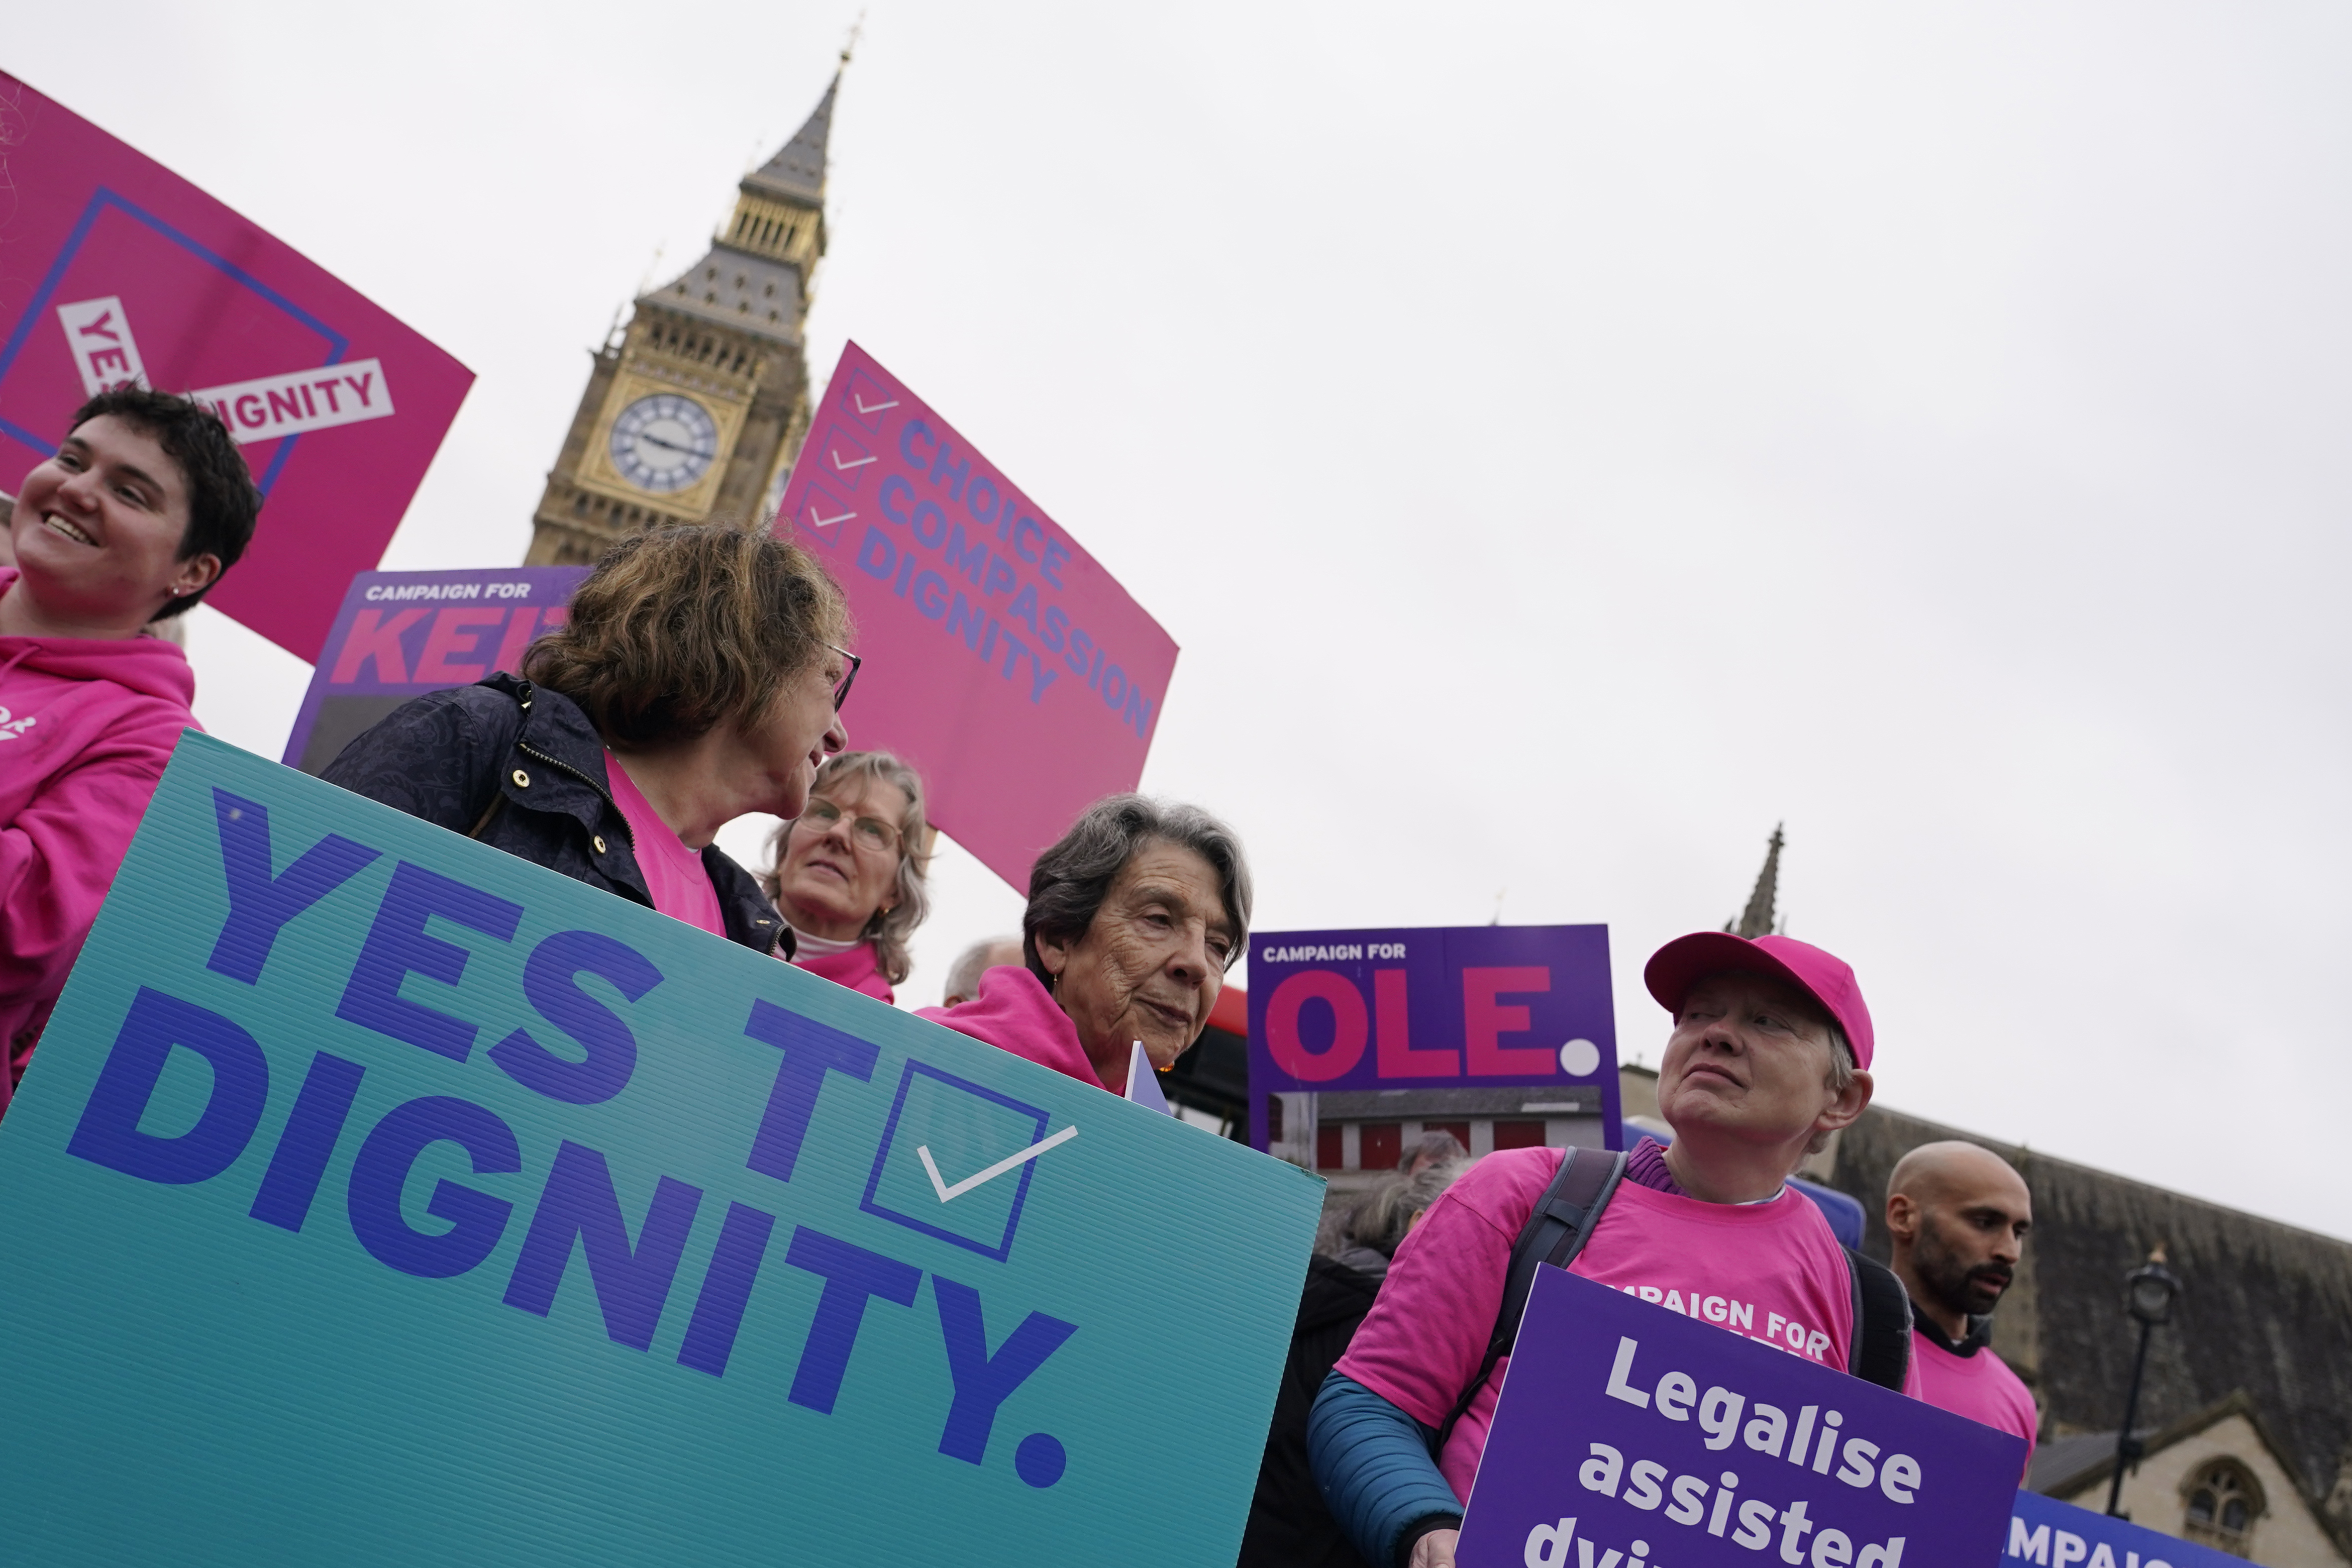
[(1768, 1056)]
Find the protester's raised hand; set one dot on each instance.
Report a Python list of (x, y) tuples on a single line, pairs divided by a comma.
[(1435, 1550)]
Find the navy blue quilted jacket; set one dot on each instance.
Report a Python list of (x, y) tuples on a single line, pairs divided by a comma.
[(521, 769)]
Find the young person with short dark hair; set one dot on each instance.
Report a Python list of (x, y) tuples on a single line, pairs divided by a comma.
[(141, 509)]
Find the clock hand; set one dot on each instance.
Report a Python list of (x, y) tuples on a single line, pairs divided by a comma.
[(672, 446)]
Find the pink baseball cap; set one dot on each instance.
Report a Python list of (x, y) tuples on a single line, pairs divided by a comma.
[(1682, 962)]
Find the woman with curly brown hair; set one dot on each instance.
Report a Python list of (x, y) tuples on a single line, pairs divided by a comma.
[(848, 874), (700, 678)]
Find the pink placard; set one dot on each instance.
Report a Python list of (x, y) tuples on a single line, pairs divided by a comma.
[(114, 270), (1015, 673)]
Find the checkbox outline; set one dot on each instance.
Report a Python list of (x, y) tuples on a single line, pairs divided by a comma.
[(104, 200), (1003, 1249)]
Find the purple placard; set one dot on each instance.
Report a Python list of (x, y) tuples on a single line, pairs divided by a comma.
[(1440, 1007), (1629, 1435), (2047, 1533), (402, 633)]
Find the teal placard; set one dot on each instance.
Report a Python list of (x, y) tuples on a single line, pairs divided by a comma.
[(376, 1197)]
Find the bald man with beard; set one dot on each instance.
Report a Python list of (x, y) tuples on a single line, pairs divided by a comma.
[(1958, 1216)]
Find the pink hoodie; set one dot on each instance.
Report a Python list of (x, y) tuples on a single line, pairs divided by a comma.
[(85, 727), (1013, 1012), (860, 970)]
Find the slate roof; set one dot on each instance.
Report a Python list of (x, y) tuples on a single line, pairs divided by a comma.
[(731, 287), (2265, 1307), (796, 173), (2061, 1465), (734, 287)]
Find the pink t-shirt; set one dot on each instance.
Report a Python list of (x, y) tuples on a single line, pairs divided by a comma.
[(1772, 1272), (675, 875), (1980, 1388)]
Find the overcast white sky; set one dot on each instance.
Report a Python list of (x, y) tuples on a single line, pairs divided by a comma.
[(1566, 440)]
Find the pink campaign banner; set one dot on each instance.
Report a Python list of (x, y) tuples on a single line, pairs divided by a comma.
[(113, 269), (1015, 673)]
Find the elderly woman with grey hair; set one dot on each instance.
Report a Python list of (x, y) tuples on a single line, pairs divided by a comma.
[(848, 874), (1133, 919)]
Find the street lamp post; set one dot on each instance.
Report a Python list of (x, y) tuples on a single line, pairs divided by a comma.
[(2149, 1293)]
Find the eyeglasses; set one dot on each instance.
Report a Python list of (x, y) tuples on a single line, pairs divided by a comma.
[(841, 692), (865, 832)]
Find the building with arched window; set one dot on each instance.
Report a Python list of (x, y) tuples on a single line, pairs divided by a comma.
[(2247, 1398), (2220, 1478), (2224, 1501)]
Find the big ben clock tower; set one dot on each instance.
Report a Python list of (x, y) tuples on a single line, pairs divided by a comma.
[(699, 408)]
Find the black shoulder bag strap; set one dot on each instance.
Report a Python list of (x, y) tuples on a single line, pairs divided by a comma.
[(1881, 1323), (1556, 1231)]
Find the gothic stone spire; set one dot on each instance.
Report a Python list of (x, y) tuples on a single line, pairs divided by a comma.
[(758, 273), (796, 173), (1755, 920)]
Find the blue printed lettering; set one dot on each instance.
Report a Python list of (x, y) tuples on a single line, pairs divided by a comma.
[(1040, 677), (397, 946), (259, 905), (476, 1220), (981, 514), (896, 486), (1016, 650), (309, 1142), (1024, 608), (1000, 577), (631, 1283), (1021, 531), (550, 981), (968, 620), (851, 1274), (726, 1290), (982, 1382), (972, 560), (1057, 555), (941, 467), (108, 1134), (1137, 713), (916, 429), (877, 555), (1080, 644), (1112, 698), (935, 534), (1056, 625), (931, 594), (811, 1051)]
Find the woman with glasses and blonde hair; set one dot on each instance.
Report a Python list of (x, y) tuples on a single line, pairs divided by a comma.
[(848, 874), (699, 679)]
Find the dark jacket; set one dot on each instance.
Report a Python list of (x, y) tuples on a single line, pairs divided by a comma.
[(521, 768), (1288, 1525)]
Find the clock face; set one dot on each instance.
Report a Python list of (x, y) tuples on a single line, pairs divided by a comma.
[(664, 443)]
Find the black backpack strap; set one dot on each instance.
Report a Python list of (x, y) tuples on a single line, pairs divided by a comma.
[(1881, 1323), (1556, 1231)]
